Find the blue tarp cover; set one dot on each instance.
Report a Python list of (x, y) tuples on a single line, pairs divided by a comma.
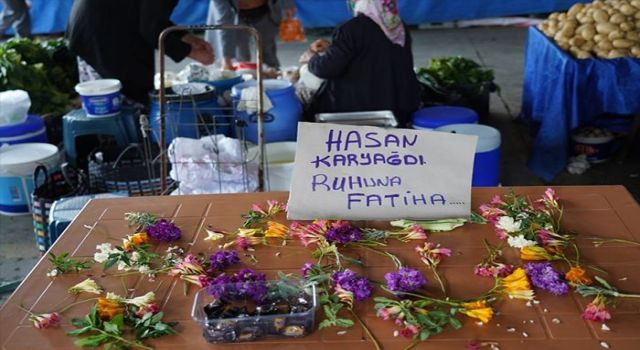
[(50, 16), (562, 93)]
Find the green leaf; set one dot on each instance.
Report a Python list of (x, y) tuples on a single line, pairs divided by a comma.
[(603, 282), (91, 341), (80, 331), (424, 335), (111, 328), (80, 322), (455, 323), (344, 322), (325, 324)]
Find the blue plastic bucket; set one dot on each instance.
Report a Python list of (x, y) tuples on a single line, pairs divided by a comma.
[(100, 98), (17, 164), (486, 163), (192, 111), (281, 121), (435, 117), (31, 130)]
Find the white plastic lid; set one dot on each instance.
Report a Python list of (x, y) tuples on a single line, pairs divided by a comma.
[(488, 137), (21, 158), (98, 87)]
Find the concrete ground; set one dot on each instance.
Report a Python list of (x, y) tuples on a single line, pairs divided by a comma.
[(499, 48)]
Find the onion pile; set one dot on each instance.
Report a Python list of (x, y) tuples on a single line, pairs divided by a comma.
[(606, 29)]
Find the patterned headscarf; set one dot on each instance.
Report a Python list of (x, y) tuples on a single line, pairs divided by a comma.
[(385, 14)]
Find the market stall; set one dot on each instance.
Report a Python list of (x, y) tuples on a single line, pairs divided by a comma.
[(548, 321), (577, 72), (51, 16)]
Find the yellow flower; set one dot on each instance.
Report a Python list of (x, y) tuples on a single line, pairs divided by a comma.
[(86, 286), (578, 275), (533, 253), (479, 310), (109, 308), (248, 232), (213, 235), (276, 230), (516, 285)]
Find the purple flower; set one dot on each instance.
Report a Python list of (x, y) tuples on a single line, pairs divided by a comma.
[(306, 268), (164, 230), (223, 258), (543, 276), (350, 281), (246, 283), (342, 232), (219, 286), (405, 280)]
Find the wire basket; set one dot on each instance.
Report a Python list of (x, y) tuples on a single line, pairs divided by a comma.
[(225, 161)]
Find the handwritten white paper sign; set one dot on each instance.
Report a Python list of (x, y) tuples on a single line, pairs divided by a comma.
[(362, 173)]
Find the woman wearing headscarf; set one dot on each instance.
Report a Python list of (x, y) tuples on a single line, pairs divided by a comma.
[(369, 64)]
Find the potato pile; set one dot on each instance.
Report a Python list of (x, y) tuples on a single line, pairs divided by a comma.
[(606, 29)]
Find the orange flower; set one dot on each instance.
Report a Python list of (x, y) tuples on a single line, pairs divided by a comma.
[(479, 310), (135, 240), (109, 308), (276, 230), (578, 275)]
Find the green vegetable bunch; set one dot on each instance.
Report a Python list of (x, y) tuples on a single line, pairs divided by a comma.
[(45, 69), (458, 74)]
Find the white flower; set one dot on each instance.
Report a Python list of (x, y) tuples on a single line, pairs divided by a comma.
[(142, 300), (135, 256), (122, 266), (86, 286), (508, 224), (520, 242), (105, 250), (52, 273), (115, 297), (144, 269), (213, 236)]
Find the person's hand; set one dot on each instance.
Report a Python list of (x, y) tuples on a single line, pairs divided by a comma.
[(201, 50), (289, 12), (319, 45), (306, 56)]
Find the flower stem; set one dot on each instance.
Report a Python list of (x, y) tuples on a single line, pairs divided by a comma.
[(439, 301), (366, 330), (74, 304), (435, 272), (412, 345), (128, 342)]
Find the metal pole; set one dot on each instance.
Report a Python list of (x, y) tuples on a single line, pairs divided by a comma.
[(162, 97)]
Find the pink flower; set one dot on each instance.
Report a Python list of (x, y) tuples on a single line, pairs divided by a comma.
[(491, 213), (501, 234), (473, 345), (44, 321), (409, 331), (431, 253), (258, 209), (414, 231), (150, 308), (274, 207), (497, 200), (596, 310), (242, 243), (309, 234), (199, 280), (383, 313)]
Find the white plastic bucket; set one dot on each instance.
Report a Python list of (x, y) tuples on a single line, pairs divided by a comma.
[(100, 98), (280, 158), (17, 164)]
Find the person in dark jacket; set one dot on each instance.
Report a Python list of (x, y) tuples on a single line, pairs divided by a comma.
[(369, 64), (118, 38)]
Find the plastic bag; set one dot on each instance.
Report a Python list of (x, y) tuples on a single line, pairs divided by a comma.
[(291, 30), (212, 164), (14, 106)]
